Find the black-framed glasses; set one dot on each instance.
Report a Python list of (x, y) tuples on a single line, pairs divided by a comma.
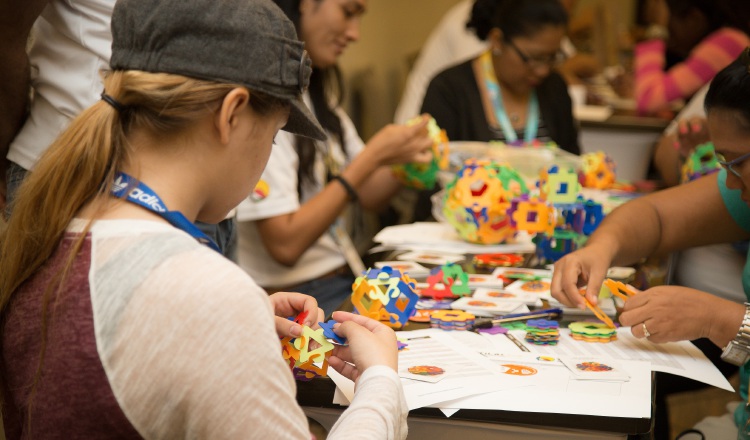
[(730, 166), (535, 62)]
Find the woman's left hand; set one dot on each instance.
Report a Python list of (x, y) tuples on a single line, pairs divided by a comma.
[(287, 304), (674, 313)]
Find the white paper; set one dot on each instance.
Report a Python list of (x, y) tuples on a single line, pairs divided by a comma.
[(679, 358), (552, 389), (595, 368), (473, 374), (484, 280), (527, 298), (486, 307), (436, 258), (415, 270), (441, 237), (541, 287)]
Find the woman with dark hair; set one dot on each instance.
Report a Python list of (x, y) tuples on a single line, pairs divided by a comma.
[(685, 44), (290, 234), (710, 210), (511, 92), (117, 318)]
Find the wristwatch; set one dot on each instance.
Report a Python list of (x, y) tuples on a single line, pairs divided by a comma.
[(737, 352)]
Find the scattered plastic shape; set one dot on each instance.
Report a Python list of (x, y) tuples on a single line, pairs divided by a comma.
[(619, 289), (592, 332), (452, 320), (498, 260), (330, 334)]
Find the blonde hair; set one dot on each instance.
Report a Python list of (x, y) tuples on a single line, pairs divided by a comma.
[(79, 168)]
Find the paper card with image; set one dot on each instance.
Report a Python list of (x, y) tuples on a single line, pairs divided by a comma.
[(428, 257), (486, 306), (527, 298), (540, 287), (423, 372), (409, 267), (595, 368), (518, 273), (484, 280)]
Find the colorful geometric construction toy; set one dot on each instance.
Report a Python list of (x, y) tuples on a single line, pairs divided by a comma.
[(701, 162), (385, 295), (447, 281), (305, 363), (598, 171), (424, 176), (477, 201)]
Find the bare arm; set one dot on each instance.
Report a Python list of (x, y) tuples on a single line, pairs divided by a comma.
[(16, 20), (677, 218), (288, 236), (667, 160)]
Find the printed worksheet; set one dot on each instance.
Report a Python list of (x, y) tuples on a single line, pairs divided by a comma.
[(545, 384), (431, 353), (680, 358)]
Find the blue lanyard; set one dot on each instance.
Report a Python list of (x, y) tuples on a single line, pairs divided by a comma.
[(143, 196), (493, 88)]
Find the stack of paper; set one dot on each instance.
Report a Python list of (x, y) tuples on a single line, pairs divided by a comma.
[(441, 237)]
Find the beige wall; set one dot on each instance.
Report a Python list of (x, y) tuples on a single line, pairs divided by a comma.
[(391, 31), (394, 30)]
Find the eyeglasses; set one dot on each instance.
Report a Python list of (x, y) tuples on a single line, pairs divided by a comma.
[(731, 165), (536, 62)]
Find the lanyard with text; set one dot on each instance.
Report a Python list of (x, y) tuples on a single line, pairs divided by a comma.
[(493, 88), (145, 197)]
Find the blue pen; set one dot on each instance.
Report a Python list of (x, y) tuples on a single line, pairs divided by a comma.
[(545, 313)]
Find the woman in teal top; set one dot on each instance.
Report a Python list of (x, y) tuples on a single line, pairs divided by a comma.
[(713, 209)]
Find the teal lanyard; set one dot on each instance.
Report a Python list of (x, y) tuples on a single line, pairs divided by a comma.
[(493, 88)]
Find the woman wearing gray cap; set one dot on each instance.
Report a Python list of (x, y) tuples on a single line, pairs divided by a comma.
[(116, 322), (291, 234)]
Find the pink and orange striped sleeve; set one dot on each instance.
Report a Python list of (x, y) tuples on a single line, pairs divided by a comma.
[(655, 88)]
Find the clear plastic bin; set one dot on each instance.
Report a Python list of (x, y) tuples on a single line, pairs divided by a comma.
[(527, 161)]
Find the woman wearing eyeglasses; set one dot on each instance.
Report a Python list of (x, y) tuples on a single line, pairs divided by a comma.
[(510, 93), (710, 210)]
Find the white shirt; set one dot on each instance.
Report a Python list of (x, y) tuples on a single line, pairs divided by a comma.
[(448, 44), (188, 344), (72, 44), (281, 177)]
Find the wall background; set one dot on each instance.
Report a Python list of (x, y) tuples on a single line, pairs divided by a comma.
[(392, 33)]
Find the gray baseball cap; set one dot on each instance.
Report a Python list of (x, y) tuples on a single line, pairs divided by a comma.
[(248, 42)]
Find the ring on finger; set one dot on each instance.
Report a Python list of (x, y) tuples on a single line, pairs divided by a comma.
[(645, 330)]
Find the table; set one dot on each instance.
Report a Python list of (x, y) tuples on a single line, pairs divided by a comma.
[(316, 398)]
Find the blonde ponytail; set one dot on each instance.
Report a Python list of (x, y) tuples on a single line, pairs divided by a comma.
[(79, 166)]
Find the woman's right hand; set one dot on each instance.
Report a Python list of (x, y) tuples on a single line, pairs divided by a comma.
[(397, 144), (369, 342), (585, 267)]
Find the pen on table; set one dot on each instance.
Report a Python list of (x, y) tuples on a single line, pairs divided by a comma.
[(546, 313), (517, 342)]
